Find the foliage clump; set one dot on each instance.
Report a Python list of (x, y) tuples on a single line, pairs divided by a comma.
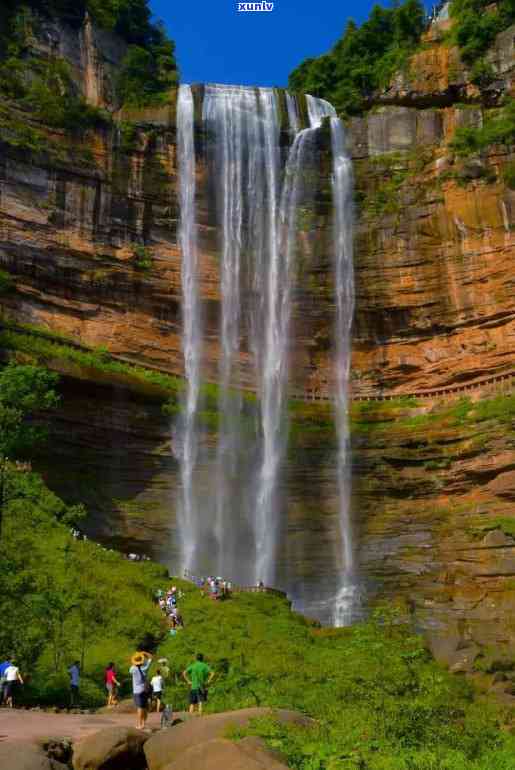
[(7, 284), (508, 175), (476, 24), (364, 59), (142, 258), (497, 128), (147, 72), (42, 87)]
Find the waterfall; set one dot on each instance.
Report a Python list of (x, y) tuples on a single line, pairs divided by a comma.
[(186, 434), (263, 198), (274, 365), (318, 109), (346, 596), (225, 113), (293, 113), (342, 184)]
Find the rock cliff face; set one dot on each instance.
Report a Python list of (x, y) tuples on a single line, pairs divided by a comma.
[(88, 237)]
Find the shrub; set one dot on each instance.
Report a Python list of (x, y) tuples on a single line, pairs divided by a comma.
[(498, 128), (7, 284), (142, 258), (476, 24), (508, 175), (147, 74), (482, 73)]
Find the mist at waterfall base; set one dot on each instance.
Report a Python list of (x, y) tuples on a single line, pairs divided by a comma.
[(233, 508)]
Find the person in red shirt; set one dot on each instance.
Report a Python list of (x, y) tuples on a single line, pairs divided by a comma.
[(111, 684)]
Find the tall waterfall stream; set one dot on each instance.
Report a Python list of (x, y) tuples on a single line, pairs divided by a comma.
[(231, 520)]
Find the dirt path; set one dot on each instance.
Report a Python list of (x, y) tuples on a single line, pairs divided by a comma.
[(32, 726)]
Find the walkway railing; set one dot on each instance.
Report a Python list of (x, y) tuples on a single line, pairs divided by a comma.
[(237, 589), (452, 391), (499, 381)]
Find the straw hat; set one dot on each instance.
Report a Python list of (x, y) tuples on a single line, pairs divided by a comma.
[(138, 659)]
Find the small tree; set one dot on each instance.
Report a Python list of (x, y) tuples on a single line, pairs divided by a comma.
[(25, 392)]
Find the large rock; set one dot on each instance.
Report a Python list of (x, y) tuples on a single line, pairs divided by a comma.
[(222, 753), (169, 746), (114, 748), (17, 755)]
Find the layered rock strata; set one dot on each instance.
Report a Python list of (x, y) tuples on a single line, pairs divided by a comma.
[(88, 237)]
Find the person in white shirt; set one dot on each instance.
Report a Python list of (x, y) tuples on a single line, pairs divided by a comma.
[(12, 680), (157, 683)]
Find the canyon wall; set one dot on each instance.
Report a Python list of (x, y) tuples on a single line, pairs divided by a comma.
[(88, 236)]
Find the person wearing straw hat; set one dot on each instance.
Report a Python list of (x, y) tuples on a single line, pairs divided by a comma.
[(140, 686)]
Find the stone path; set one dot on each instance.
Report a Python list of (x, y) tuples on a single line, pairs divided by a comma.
[(32, 726)]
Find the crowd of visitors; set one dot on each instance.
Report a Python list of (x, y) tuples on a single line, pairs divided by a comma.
[(214, 587), (148, 691), (167, 603)]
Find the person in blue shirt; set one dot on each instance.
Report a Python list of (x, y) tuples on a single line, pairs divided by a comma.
[(3, 668), (74, 672), (141, 688)]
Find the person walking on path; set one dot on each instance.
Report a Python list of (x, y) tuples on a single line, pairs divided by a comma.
[(13, 679), (157, 683), (3, 683), (141, 686), (198, 675), (111, 683), (74, 672)]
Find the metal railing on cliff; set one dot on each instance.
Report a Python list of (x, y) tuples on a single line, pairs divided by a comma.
[(497, 382), (237, 589)]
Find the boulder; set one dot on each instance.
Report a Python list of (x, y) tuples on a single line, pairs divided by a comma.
[(503, 485), (168, 746), (17, 755), (226, 754), (58, 749), (463, 659), (443, 647), (113, 748)]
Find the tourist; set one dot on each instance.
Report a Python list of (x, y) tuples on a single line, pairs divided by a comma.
[(3, 668), (140, 686), (12, 680), (198, 675), (165, 669), (111, 684), (74, 672), (157, 683)]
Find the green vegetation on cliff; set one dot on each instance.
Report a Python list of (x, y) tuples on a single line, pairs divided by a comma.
[(364, 59), (378, 699), (498, 128), (60, 598), (44, 86), (476, 24)]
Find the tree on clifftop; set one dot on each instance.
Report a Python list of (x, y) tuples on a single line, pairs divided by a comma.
[(364, 59)]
